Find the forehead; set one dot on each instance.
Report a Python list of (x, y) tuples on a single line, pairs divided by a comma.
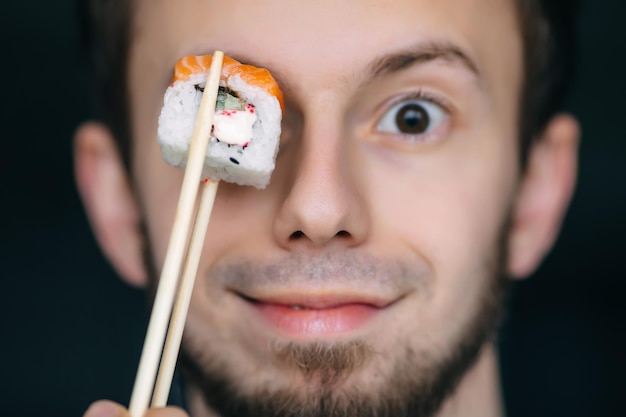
[(325, 39)]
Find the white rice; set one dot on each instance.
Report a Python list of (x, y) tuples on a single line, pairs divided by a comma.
[(255, 162)]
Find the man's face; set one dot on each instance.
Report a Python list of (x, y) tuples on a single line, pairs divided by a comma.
[(369, 263)]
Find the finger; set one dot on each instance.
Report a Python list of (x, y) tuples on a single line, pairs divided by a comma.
[(105, 408), (166, 412)]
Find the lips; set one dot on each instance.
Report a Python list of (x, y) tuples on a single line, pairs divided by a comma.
[(303, 316)]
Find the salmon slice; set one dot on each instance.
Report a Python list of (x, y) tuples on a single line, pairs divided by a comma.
[(260, 77)]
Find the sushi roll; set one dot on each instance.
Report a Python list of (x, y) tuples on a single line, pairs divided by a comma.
[(246, 126)]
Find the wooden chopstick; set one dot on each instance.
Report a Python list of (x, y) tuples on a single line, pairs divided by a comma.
[(166, 291), (177, 322)]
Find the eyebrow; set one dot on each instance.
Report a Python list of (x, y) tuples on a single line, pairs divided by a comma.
[(422, 53)]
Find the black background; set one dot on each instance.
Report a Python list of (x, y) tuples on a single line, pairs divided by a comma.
[(71, 331)]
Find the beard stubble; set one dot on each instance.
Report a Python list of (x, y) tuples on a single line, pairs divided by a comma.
[(417, 387)]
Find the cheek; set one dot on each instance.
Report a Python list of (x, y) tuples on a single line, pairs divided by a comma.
[(240, 221), (158, 187), (450, 212), (157, 184)]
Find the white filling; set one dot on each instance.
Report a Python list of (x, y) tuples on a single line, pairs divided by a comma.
[(234, 127)]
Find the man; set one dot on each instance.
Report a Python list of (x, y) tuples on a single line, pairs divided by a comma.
[(422, 166)]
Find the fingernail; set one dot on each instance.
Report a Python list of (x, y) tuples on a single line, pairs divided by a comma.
[(103, 409)]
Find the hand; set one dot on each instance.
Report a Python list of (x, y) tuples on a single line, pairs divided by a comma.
[(106, 408)]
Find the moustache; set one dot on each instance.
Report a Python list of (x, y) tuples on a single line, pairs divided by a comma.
[(328, 269)]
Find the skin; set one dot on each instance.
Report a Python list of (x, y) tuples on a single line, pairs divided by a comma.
[(443, 202)]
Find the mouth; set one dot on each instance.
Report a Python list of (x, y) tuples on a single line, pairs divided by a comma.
[(302, 316)]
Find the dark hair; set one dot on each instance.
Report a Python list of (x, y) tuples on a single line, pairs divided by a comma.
[(547, 29), (549, 42), (106, 28)]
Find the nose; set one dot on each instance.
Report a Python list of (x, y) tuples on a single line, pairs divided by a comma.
[(322, 200)]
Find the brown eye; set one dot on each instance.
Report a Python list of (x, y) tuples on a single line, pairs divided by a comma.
[(414, 117)]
